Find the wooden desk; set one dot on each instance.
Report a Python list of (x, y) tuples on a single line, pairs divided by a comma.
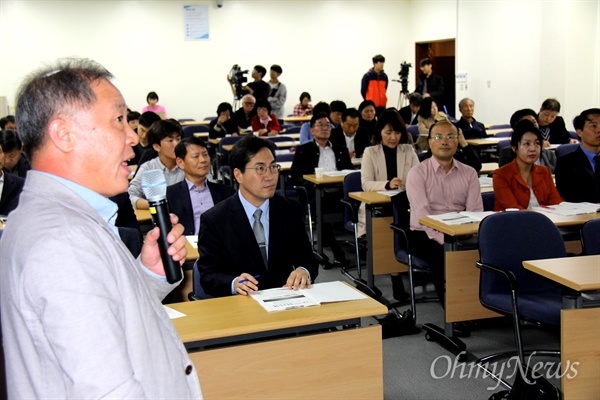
[(189, 123), (320, 185), (202, 135), (380, 239), (492, 132), (579, 327), (297, 119), (339, 364), (279, 145), (490, 141), (142, 215), (486, 168), (462, 275)]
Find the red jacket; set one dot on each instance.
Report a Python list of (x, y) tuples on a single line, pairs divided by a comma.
[(273, 124), (374, 86), (511, 190)]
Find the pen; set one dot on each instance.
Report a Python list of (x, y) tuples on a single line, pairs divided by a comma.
[(246, 280)]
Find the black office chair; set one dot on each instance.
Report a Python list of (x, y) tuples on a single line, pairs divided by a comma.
[(566, 149), (211, 118), (189, 130), (197, 292), (488, 201), (590, 237), (293, 129), (352, 183), (414, 132), (186, 120), (505, 241), (224, 172), (506, 133), (499, 126), (290, 190)]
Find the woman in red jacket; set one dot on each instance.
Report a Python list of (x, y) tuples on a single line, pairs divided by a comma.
[(265, 123), (523, 183)]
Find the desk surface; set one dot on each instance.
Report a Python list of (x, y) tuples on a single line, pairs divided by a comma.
[(297, 119), (371, 197), (188, 123), (578, 273), (471, 229), (240, 315), (325, 180), (490, 141), (202, 135), (486, 168)]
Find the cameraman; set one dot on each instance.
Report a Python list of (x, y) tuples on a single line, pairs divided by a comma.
[(258, 88)]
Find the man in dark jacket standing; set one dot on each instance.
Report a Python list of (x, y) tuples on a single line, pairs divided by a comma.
[(430, 84)]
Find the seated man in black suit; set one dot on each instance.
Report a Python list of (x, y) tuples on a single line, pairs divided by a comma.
[(10, 188), (471, 128), (320, 152), (244, 114), (254, 239), (578, 173), (350, 135), (16, 161), (194, 195), (409, 113)]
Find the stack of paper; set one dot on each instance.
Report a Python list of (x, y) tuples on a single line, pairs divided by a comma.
[(567, 208), (459, 218), (285, 299), (485, 182), (389, 192), (343, 172)]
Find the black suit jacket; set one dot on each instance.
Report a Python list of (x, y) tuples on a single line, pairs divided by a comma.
[(361, 140), (435, 87), (406, 113), (180, 202), (306, 159), (228, 247), (575, 179), (476, 132), (9, 198)]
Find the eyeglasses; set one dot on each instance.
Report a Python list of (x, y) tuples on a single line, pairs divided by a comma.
[(442, 137), (262, 169), (323, 126), (248, 103)]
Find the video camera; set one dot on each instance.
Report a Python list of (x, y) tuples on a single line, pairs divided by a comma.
[(237, 78), (404, 71)]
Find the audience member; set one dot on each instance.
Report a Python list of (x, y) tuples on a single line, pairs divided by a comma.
[(337, 108), (471, 128), (439, 185), (349, 135), (243, 116), (254, 239), (16, 161), (304, 108), (368, 118), (465, 153), (305, 132), (8, 122), (258, 88), (427, 116), (522, 184), (385, 167), (578, 173), (374, 84), (152, 100), (409, 113), (10, 188), (194, 195), (430, 84), (224, 124), (322, 153), (145, 122), (552, 126), (163, 136), (278, 93), (507, 154), (265, 123), (81, 318), (133, 119)]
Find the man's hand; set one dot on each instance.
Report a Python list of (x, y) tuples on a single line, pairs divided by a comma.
[(223, 117), (150, 255), (273, 133), (298, 279), (396, 183), (461, 139), (351, 153), (248, 286), (546, 144), (574, 141)]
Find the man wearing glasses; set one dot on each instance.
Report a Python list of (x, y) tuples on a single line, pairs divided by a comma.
[(243, 116), (439, 185), (255, 239)]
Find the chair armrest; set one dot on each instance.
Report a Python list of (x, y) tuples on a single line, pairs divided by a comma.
[(403, 236), (352, 208), (509, 276)]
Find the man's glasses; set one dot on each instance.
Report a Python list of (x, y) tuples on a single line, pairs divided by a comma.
[(262, 169), (323, 126), (248, 103), (442, 137)]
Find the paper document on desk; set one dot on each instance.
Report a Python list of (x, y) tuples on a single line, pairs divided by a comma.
[(193, 240), (459, 218), (278, 299), (343, 172), (485, 181), (389, 192), (173, 314), (566, 208)]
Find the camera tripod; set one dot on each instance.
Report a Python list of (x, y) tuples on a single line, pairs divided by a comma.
[(402, 96)]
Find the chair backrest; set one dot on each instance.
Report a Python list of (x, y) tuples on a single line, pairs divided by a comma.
[(501, 146), (503, 133), (574, 135), (505, 241), (189, 130), (566, 149), (500, 126), (224, 154), (488, 201), (282, 157), (414, 131), (186, 120), (293, 129), (279, 138), (210, 118), (352, 183), (590, 237)]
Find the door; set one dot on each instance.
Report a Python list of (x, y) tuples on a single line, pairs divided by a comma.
[(442, 56)]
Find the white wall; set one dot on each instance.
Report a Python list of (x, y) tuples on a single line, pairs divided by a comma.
[(528, 50)]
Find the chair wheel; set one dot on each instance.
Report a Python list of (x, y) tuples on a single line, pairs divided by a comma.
[(428, 337)]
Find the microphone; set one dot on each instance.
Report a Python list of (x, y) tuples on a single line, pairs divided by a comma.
[(155, 190)]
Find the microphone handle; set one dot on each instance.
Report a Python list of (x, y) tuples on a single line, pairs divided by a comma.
[(159, 210)]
